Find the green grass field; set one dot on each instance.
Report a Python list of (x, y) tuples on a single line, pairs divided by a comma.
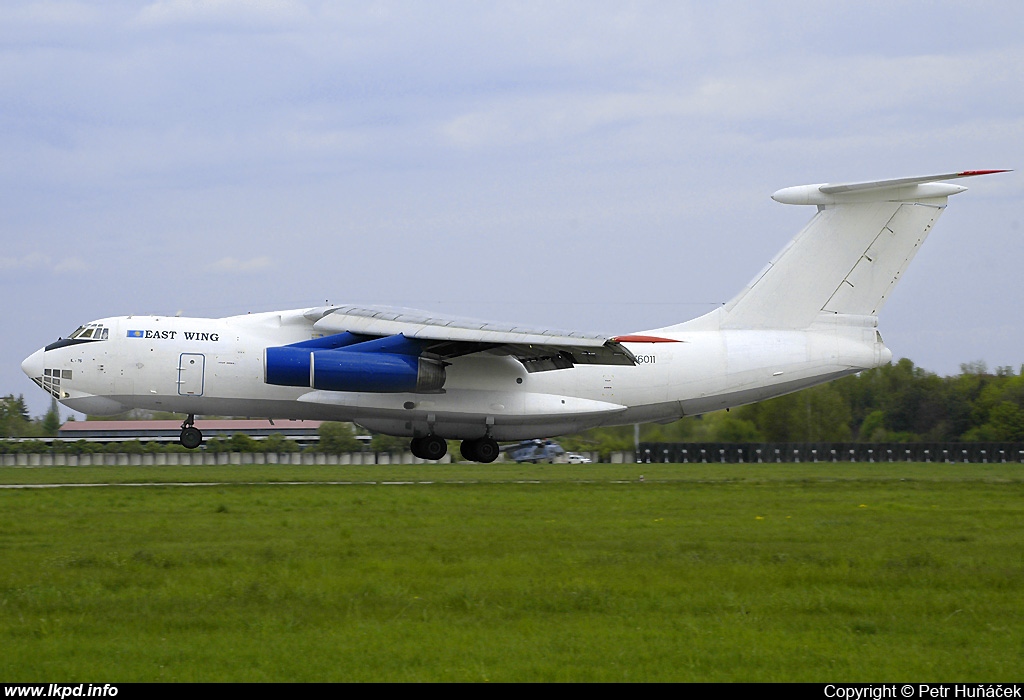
[(848, 572)]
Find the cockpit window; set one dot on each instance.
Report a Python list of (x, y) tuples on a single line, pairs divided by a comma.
[(91, 331), (83, 334)]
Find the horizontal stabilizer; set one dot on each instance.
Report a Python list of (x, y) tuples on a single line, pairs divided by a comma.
[(899, 190)]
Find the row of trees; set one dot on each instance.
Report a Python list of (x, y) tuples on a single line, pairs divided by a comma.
[(895, 403)]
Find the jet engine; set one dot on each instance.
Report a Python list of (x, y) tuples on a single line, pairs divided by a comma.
[(350, 370)]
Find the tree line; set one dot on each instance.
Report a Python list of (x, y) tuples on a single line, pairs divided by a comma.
[(898, 402)]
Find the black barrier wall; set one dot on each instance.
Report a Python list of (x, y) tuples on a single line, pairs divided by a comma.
[(779, 452)]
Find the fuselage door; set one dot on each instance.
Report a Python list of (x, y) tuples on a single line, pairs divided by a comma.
[(191, 367)]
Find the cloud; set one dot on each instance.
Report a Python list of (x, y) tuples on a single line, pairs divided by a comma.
[(70, 265), (48, 14), (40, 261), (220, 12), (844, 94), (32, 260), (234, 265)]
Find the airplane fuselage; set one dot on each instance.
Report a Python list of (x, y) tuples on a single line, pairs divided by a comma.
[(217, 367)]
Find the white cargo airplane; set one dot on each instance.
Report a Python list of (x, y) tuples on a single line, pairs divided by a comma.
[(808, 317)]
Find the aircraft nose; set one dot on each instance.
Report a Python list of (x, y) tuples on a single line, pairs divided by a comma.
[(33, 364)]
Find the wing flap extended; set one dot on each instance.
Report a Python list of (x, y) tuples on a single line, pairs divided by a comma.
[(538, 349)]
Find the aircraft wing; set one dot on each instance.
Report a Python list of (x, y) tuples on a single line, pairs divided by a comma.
[(449, 336)]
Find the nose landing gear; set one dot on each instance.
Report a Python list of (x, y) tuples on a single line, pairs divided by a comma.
[(191, 437)]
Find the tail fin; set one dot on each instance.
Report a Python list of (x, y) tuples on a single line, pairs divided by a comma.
[(850, 255)]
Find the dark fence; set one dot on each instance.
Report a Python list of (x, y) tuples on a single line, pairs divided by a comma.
[(778, 452)]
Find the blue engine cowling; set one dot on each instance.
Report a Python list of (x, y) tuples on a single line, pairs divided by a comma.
[(348, 370)]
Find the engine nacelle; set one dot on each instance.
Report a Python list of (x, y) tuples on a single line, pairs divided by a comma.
[(343, 370)]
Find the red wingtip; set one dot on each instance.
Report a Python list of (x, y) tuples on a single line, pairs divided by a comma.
[(643, 339), (972, 173)]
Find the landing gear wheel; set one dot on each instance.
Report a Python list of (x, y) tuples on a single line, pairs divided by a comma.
[(430, 447), (487, 450), (191, 437), (434, 447), (484, 450)]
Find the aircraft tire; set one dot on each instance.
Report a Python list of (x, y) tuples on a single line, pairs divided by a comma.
[(487, 450), (191, 438), (484, 450), (433, 447)]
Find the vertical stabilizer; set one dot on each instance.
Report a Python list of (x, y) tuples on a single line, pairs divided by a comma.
[(849, 257), (845, 261)]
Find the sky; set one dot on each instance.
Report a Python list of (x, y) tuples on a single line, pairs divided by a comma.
[(596, 166)]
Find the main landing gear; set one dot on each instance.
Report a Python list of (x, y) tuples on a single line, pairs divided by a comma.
[(429, 447), (484, 450), (432, 447), (191, 437)]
